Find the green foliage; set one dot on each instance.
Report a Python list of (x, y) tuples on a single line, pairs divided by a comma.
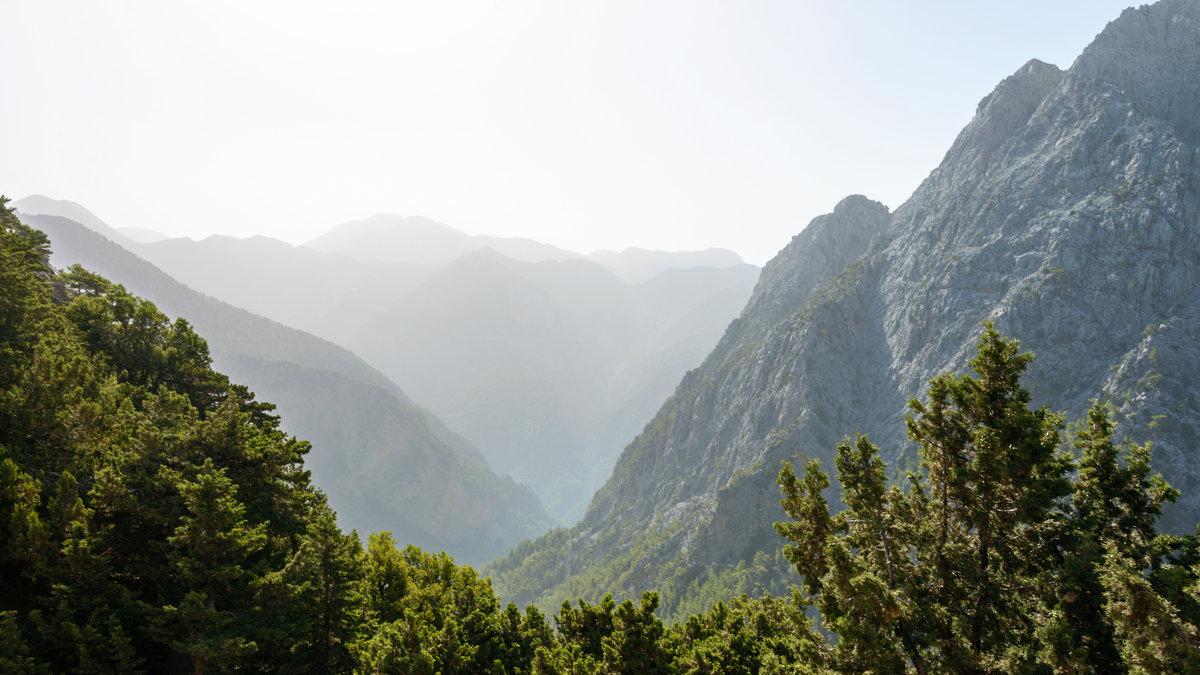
[(430, 615), (531, 566), (992, 558), (1152, 635), (587, 626), (153, 517), (147, 504), (24, 268), (762, 575), (636, 644)]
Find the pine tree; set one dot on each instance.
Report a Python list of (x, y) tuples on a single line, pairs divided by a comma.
[(210, 548), (636, 644), (327, 579), (1150, 633), (587, 626), (948, 575)]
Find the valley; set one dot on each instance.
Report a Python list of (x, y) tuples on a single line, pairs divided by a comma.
[(954, 434)]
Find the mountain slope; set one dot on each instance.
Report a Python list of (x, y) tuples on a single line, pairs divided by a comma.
[(384, 462), (1067, 212)]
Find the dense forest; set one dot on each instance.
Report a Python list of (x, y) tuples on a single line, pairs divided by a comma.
[(154, 518)]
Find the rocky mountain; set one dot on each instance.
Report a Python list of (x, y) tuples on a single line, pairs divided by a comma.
[(1067, 212), (384, 462)]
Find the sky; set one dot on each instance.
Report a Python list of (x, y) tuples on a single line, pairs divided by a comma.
[(664, 124)]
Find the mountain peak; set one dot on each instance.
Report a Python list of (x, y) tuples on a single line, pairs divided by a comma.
[(41, 205), (1001, 114), (394, 238), (1151, 55), (1031, 81), (858, 204)]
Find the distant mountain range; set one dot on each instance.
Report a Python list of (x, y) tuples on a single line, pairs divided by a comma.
[(419, 240), (1067, 212), (546, 360), (385, 463), (549, 367)]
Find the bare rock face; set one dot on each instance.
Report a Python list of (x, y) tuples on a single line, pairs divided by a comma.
[(1067, 212), (999, 115)]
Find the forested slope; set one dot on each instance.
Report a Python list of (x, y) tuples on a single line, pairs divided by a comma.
[(385, 463)]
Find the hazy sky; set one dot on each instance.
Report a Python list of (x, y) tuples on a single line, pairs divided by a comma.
[(661, 124)]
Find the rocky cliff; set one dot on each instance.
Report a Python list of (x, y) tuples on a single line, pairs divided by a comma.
[(1067, 212)]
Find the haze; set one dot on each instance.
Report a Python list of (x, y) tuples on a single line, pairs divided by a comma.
[(669, 125)]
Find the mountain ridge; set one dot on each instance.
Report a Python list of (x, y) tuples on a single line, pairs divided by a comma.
[(421, 240)]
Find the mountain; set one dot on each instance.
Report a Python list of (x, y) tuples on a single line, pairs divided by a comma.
[(47, 206), (1067, 212), (421, 241), (384, 462), (140, 235), (417, 239), (549, 366)]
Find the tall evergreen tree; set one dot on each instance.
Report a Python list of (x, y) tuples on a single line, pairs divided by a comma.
[(210, 549), (947, 575), (328, 575)]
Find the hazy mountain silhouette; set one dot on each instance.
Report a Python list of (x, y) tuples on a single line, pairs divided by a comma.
[(636, 265), (43, 205), (317, 292), (548, 366), (416, 239), (140, 235)]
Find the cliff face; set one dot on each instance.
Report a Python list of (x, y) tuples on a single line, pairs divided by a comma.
[(1067, 212), (1077, 231)]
